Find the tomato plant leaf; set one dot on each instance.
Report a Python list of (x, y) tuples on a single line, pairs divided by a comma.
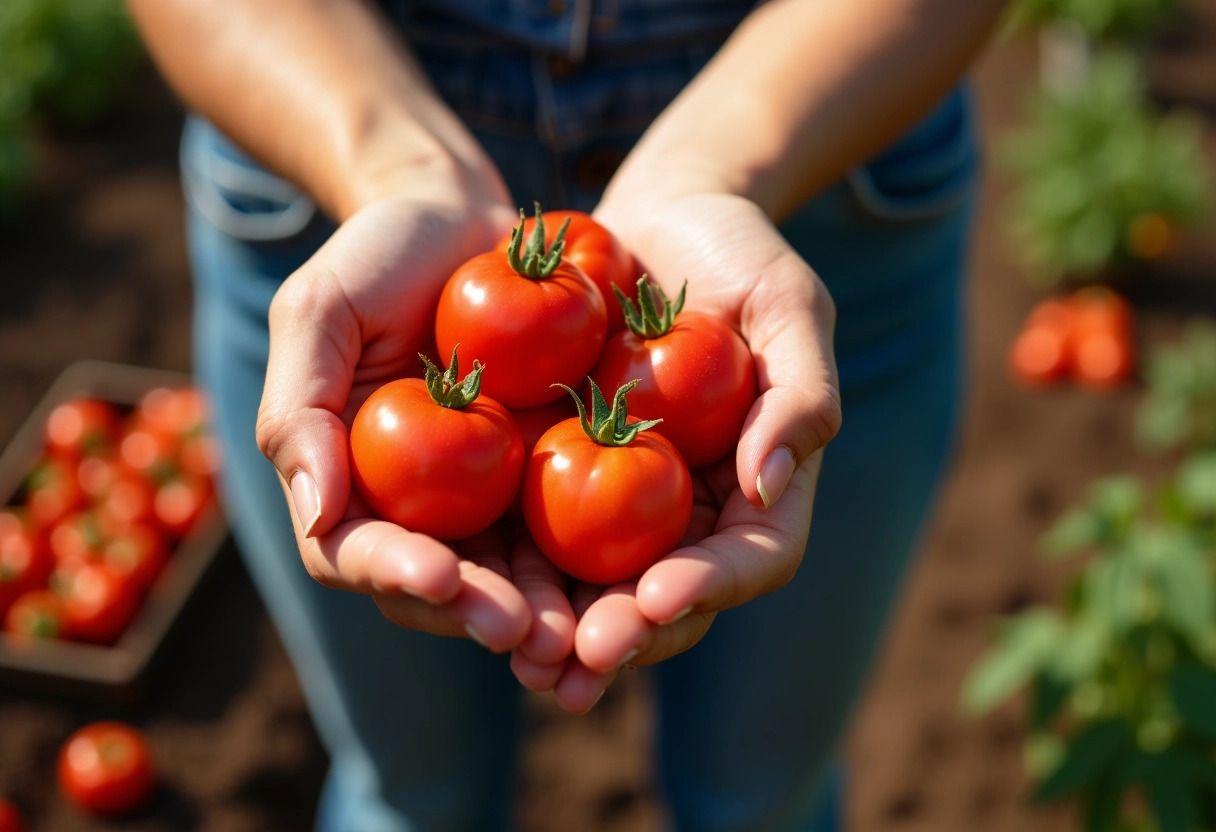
[(1025, 644), (1092, 753), (1193, 686), (1102, 803), (1081, 648), (1047, 697), (1196, 482), (1165, 781), (1078, 529)]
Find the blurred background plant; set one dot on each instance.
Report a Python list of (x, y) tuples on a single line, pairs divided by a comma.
[(1178, 411), (1105, 179), (62, 62)]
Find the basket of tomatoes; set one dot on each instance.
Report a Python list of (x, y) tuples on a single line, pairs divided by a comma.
[(108, 521)]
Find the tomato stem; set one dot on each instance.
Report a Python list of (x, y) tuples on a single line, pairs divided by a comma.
[(443, 387), (645, 320), (608, 425), (535, 263)]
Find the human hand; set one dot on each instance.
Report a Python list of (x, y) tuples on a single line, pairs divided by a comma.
[(354, 317), (739, 268)]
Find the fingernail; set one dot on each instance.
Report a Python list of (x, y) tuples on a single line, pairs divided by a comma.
[(775, 475), (307, 502), (628, 657), (413, 593), (473, 634), (597, 700), (677, 616)]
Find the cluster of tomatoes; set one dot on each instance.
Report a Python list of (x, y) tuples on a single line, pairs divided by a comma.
[(113, 492), (1085, 336), (105, 768), (592, 395)]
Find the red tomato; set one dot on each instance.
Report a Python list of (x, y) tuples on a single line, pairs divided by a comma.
[(1099, 308), (180, 502), (603, 513), (81, 426), (1102, 359), (596, 251), (25, 558), (1040, 356), (131, 499), (52, 492), (37, 613), (694, 372), (76, 537), (534, 421), (138, 553), (532, 319), (147, 452), (106, 768), (96, 474), (98, 601), (174, 412), (447, 470), (11, 819)]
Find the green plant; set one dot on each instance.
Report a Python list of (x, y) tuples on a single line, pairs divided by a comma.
[(1122, 677), (63, 60), (1100, 19), (1103, 179), (1179, 408)]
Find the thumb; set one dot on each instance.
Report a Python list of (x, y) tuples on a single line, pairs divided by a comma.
[(314, 348), (789, 325)]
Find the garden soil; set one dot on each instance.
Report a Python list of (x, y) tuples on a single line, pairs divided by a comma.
[(95, 267)]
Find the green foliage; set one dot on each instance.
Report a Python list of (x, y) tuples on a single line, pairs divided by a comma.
[(1101, 19), (1094, 162), (1179, 409), (1122, 678), (59, 59)]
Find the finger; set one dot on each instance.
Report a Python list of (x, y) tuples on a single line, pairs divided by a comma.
[(533, 675), (613, 632), (487, 609), (579, 688), (314, 346), (543, 586), (752, 552), (364, 555), (788, 321)]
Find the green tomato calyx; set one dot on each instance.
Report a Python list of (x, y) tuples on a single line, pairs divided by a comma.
[(443, 386), (608, 425), (533, 262), (645, 320)]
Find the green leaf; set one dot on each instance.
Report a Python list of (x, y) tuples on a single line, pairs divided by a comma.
[(1194, 690), (1196, 481), (1094, 752), (1077, 530), (1102, 803), (1024, 647), (1081, 648), (1166, 783), (1048, 696), (1117, 500)]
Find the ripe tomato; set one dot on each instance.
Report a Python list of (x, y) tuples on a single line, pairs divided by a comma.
[(106, 768), (11, 819), (25, 558), (694, 373), (37, 613), (596, 251), (1040, 356), (530, 317), (138, 553), (180, 501), (175, 412), (432, 456), (81, 426), (52, 491), (147, 453), (98, 601), (76, 537), (1102, 350), (131, 499), (602, 499)]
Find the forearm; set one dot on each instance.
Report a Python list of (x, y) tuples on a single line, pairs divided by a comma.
[(321, 91), (804, 90)]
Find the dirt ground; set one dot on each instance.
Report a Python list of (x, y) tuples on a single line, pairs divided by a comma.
[(96, 267)]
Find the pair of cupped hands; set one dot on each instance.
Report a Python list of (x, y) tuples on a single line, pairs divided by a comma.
[(356, 315)]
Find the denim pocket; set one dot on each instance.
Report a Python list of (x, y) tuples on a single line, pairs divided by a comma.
[(234, 194), (928, 172)]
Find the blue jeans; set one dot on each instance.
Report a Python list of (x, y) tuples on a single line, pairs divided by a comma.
[(423, 731)]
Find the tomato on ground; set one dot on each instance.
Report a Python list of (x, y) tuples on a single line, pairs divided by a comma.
[(434, 456), (694, 372), (595, 250), (532, 318), (106, 768), (605, 497)]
